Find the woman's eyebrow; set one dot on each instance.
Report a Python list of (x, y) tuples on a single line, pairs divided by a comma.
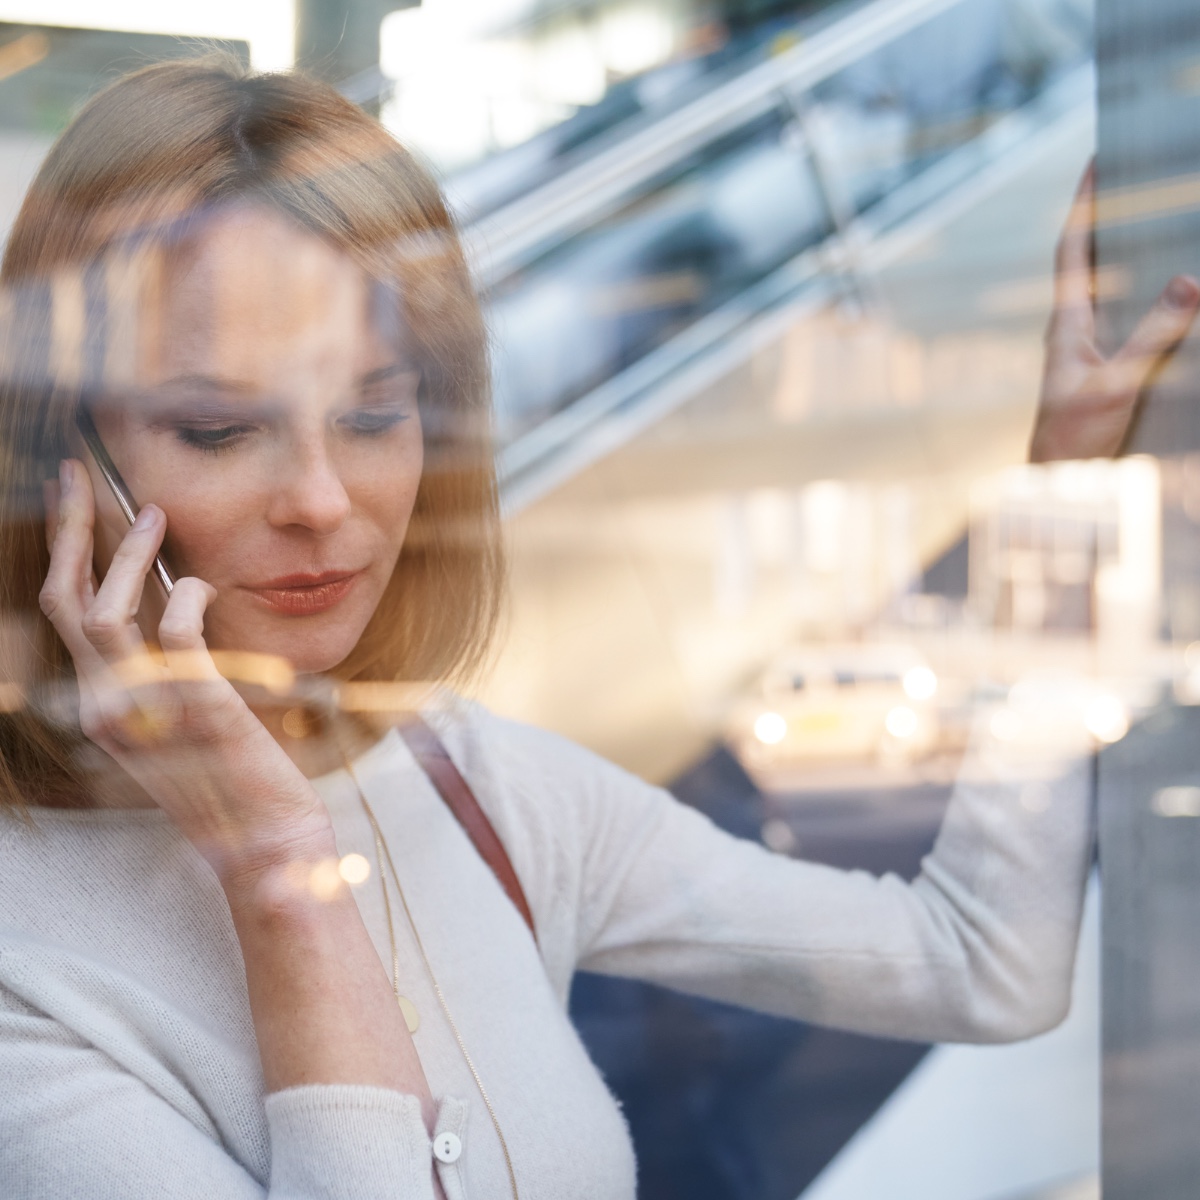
[(208, 383), (382, 374)]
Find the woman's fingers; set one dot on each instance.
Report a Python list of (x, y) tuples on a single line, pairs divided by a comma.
[(205, 694), (110, 621), (68, 590), (1155, 336), (1088, 400), (1073, 261), (181, 630), (130, 698)]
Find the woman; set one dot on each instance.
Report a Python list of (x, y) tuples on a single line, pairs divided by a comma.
[(290, 373)]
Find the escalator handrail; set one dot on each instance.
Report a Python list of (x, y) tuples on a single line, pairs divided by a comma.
[(566, 441), (500, 243)]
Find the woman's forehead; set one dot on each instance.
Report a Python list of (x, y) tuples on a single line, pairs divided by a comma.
[(243, 261), (254, 290)]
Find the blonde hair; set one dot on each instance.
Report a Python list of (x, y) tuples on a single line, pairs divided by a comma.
[(181, 136)]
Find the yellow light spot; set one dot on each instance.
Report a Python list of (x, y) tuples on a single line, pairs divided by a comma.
[(901, 722), (354, 869), (325, 879), (385, 697), (270, 671), (1106, 719), (920, 683), (295, 724), (770, 728)]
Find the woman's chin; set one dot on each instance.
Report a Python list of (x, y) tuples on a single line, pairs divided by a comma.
[(289, 656)]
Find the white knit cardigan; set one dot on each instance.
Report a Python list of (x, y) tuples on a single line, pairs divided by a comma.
[(128, 1062)]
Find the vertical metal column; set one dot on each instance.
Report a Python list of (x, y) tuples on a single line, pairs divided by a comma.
[(1150, 876), (1148, 229), (338, 41)]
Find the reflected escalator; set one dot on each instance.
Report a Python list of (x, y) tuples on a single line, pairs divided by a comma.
[(616, 287)]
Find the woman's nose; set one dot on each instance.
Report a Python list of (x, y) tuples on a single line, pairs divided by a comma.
[(309, 492)]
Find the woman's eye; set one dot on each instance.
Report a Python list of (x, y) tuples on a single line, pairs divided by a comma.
[(209, 437), (373, 420)]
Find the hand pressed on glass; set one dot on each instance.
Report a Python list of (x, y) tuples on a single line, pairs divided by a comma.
[(1088, 400)]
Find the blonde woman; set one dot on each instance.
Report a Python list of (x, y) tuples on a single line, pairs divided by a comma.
[(258, 300)]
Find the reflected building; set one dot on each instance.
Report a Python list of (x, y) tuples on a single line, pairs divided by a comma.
[(1072, 548)]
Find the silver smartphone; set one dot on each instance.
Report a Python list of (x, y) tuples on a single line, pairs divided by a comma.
[(120, 489)]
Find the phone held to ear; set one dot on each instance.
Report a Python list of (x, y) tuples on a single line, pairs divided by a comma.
[(120, 489)]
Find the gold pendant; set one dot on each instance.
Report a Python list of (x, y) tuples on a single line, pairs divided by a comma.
[(412, 1018)]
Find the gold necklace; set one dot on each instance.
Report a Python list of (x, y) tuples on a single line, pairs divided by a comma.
[(383, 854)]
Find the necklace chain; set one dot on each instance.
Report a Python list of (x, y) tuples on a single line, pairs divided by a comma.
[(411, 1017), (383, 854)]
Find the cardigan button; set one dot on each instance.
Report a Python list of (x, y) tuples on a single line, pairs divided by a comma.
[(447, 1147)]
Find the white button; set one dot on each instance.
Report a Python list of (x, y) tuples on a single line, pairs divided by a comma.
[(447, 1147)]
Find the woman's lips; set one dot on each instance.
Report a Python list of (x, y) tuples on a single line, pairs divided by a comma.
[(304, 595)]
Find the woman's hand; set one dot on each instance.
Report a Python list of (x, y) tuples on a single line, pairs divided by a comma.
[(170, 719), (1088, 400), (322, 1006)]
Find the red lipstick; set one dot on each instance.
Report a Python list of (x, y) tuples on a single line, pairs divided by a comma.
[(306, 595)]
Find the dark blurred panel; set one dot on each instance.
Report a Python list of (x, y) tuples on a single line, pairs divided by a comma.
[(1150, 863), (1148, 229), (726, 1104)]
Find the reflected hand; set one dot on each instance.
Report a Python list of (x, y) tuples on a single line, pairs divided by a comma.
[(1088, 400), (170, 719)]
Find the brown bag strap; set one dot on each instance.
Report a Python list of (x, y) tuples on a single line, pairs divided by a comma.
[(435, 761)]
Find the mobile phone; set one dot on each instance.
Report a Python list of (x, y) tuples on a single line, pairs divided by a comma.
[(120, 489)]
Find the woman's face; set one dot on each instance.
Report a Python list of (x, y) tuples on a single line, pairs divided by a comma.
[(279, 432)]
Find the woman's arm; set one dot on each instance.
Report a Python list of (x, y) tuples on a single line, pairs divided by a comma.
[(979, 948), (73, 1122), (323, 1010)]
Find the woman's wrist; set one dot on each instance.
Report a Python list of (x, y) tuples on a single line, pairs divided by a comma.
[(275, 866), (1077, 432)]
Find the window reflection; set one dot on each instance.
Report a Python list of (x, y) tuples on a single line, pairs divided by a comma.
[(730, 340)]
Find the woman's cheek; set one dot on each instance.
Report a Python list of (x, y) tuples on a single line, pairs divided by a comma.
[(202, 538)]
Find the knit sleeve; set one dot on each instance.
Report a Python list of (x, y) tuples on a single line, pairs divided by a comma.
[(978, 948), (75, 1124)]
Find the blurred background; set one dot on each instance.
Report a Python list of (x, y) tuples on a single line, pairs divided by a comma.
[(767, 282)]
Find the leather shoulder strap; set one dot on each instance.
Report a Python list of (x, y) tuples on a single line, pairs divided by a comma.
[(435, 761)]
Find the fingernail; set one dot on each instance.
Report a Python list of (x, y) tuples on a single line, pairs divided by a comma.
[(64, 474), (1183, 291), (146, 517)]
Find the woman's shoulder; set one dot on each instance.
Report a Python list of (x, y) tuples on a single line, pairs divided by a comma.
[(530, 763), (566, 815), (99, 880)]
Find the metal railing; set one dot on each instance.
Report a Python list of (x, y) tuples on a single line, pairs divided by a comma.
[(581, 196), (569, 440)]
